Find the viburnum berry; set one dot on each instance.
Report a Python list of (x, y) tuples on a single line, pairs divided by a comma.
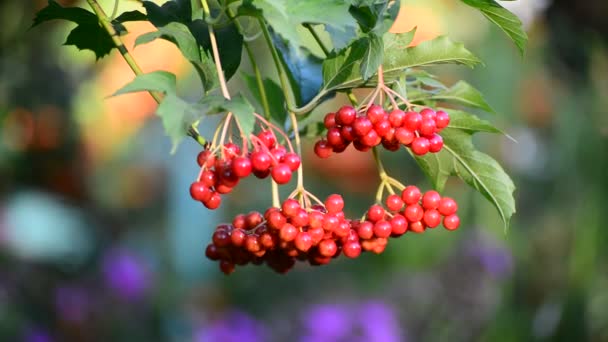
[(323, 149), (281, 173), (334, 203), (394, 203), (411, 194), (447, 206), (421, 146), (352, 250), (451, 222)]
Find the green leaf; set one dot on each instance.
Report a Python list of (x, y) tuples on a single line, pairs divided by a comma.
[(274, 94), (285, 15), (243, 112), (131, 16), (372, 16), (88, 35), (177, 33), (459, 157), (372, 58), (482, 172), (464, 94), (503, 18), (177, 115), (162, 81), (207, 72), (340, 70)]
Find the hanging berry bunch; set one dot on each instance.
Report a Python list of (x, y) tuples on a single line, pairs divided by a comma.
[(405, 107)]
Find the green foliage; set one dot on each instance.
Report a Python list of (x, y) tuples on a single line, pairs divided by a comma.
[(88, 34), (284, 16), (340, 71), (359, 27), (503, 18)]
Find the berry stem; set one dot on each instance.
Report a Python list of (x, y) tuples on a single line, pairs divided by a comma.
[(106, 23), (276, 201), (216, 54), (317, 38), (296, 132)]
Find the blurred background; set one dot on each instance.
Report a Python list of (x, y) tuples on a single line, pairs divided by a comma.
[(100, 241)]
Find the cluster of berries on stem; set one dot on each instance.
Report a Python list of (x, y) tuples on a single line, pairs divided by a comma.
[(418, 131), (223, 167), (321, 232)]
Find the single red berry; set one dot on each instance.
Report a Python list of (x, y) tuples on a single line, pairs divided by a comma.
[(317, 235), (352, 250), (228, 177), (292, 160), (300, 219), (281, 174), (447, 206), (328, 248), (276, 220), (432, 218), (315, 219), (399, 225), (442, 119), (382, 229), (278, 153), (451, 222), (267, 138), (365, 230), (428, 113), (253, 219), (412, 121), (199, 191), (226, 267), (303, 241), (411, 195), (362, 126), (431, 199), (342, 229), (223, 189), (394, 203), (290, 207), (330, 222), (359, 146), (221, 238), (382, 127), (375, 213), (241, 166), (404, 136), (427, 127), (334, 137), (212, 252), (414, 212), (347, 133), (231, 150), (237, 237), (346, 115), (288, 232), (205, 158), (208, 178), (239, 222), (334, 203), (268, 241), (261, 174), (260, 161), (396, 118), (435, 143), (340, 148), (371, 138), (323, 149), (330, 120), (420, 146), (375, 113), (416, 227), (252, 244), (213, 202)]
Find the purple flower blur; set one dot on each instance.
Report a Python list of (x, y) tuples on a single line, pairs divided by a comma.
[(72, 303), (234, 326), (370, 321), (494, 258), (125, 274), (36, 335)]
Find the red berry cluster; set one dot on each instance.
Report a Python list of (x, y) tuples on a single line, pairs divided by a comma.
[(416, 130), (284, 235), (221, 173)]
